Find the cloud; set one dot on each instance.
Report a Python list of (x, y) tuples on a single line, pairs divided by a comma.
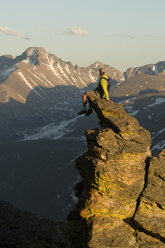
[(12, 32), (126, 36), (76, 31), (154, 36)]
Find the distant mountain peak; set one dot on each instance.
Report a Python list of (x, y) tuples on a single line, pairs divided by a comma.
[(33, 54), (151, 69), (32, 50)]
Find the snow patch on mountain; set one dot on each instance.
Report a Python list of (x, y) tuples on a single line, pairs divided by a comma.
[(92, 78), (62, 72), (32, 56), (60, 68), (82, 81), (36, 76), (158, 133), (52, 131), (39, 76), (22, 98), (160, 145), (37, 86), (155, 69), (32, 52), (50, 65), (74, 81), (67, 69), (7, 73), (27, 83), (129, 108), (47, 80), (159, 100), (135, 112)]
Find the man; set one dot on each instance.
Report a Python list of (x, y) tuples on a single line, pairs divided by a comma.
[(102, 89)]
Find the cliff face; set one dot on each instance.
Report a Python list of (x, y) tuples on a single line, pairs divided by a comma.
[(150, 214), (118, 201)]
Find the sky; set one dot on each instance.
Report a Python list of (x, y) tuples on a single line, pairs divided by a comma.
[(120, 33)]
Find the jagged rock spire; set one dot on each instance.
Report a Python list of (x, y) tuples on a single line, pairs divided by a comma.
[(114, 172)]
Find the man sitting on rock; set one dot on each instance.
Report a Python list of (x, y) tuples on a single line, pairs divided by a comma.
[(103, 90)]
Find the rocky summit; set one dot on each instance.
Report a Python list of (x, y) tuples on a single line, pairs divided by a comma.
[(121, 195), (118, 201)]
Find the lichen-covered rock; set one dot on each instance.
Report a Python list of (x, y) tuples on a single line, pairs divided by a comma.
[(115, 117), (113, 172), (150, 215), (145, 240)]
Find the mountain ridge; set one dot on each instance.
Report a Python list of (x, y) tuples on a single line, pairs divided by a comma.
[(152, 69), (36, 68)]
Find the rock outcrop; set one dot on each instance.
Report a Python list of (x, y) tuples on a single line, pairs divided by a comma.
[(150, 215), (121, 196), (118, 202)]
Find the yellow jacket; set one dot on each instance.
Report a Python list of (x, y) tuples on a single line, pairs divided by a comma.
[(102, 87)]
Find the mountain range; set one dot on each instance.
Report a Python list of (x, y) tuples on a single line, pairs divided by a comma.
[(41, 133)]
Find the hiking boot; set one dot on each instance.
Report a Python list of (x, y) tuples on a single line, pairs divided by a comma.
[(90, 111), (82, 112)]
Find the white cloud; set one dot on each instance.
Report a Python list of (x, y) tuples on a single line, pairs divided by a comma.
[(76, 31), (12, 32), (125, 35), (154, 36)]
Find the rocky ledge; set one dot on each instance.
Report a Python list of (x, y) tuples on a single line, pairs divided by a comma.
[(121, 197)]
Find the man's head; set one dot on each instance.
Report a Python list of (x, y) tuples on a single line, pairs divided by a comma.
[(101, 71)]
